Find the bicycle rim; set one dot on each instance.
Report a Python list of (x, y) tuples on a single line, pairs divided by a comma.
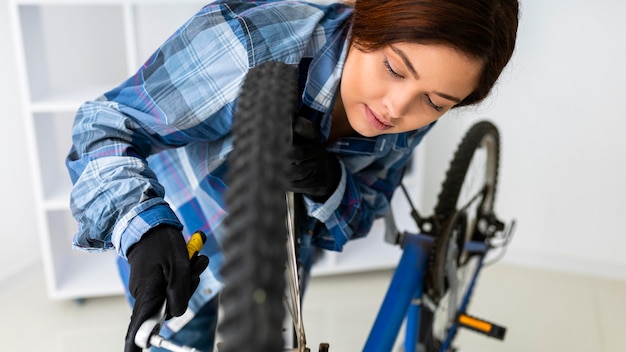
[(467, 196), (254, 246)]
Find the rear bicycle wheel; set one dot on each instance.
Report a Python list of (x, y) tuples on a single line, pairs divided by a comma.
[(254, 246), (465, 210)]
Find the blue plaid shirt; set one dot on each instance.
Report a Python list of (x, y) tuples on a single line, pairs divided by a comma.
[(153, 150)]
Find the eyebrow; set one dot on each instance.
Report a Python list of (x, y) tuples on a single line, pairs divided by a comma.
[(449, 97), (415, 75)]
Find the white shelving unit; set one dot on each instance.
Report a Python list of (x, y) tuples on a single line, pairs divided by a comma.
[(70, 51)]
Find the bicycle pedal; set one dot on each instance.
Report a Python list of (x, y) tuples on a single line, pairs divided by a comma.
[(482, 326)]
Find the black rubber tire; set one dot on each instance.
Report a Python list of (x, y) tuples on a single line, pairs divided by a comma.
[(474, 139), (454, 225), (254, 246)]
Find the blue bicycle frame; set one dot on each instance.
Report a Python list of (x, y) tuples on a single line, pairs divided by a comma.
[(404, 296)]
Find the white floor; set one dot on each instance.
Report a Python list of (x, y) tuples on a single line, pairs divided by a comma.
[(543, 311)]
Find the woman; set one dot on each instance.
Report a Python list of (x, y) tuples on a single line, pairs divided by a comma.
[(374, 77)]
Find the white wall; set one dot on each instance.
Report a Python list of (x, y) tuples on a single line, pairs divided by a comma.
[(19, 247), (560, 108)]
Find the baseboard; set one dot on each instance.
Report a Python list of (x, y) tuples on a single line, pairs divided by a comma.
[(568, 264)]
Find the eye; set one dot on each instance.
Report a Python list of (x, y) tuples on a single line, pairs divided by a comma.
[(391, 70), (433, 105)]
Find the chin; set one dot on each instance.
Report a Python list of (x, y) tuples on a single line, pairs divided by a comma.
[(370, 133)]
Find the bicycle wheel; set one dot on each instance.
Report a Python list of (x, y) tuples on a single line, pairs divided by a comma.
[(465, 209), (254, 246)]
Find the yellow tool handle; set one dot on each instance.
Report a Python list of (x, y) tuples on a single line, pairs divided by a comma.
[(195, 243)]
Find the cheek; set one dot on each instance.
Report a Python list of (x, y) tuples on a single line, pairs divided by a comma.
[(358, 87), (361, 74), (352, 90), (419, 121), (351, 81)]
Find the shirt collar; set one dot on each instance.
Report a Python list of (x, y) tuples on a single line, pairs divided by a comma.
[(325, 71)]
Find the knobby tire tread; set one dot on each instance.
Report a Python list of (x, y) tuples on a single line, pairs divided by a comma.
[(451, 187), (254, 245)]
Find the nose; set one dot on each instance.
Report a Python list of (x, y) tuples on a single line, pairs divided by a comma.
[(398, 103)]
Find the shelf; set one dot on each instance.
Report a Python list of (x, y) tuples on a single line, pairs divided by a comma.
[(78, 274), (69, 48), (66, 100), (358, 255), (58, 199), (54, 138), (371, 252), (156, 21), (69, 52), (63, 74), (91, 275)]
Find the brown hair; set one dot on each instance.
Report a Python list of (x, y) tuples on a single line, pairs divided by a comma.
[(482, 29)]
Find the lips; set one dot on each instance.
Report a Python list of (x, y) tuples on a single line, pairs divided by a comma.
[(376, 121)]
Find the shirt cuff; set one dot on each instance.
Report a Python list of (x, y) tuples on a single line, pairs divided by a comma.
[(323, 211), (127, 233)]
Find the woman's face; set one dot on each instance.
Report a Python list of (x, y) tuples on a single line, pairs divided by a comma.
[(404, 86)]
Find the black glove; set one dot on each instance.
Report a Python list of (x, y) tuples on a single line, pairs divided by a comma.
[(313, 171), (160, 268)]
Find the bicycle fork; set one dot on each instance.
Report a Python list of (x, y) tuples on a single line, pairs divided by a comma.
[(293, 303)]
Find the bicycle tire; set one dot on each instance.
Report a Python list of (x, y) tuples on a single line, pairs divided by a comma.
[(461, 221), (254, 244), (474, 138)]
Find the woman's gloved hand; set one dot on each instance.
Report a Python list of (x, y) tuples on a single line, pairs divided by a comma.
[(313, 171), (160, 270)]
